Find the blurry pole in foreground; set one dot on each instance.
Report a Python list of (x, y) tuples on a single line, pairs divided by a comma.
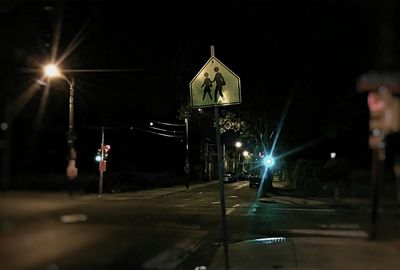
[(384, 120), (5, 147)]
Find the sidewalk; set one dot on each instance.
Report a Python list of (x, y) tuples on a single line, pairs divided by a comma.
[(291, 197), (149, 193), (310, 253)]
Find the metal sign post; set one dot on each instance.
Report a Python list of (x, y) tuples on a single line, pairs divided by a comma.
[(221, 187), (221, 181), (216, 85)]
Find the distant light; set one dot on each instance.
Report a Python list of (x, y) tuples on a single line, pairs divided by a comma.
[(48, 8), (51, 70), (98, 158), (238, 144), (268, 161), (245, 153), (4, 126), (151, 124), (200, 110), (333, 155)]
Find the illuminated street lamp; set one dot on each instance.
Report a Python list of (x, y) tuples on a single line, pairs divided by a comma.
[(238, 144), (268, 161), (52, 71)]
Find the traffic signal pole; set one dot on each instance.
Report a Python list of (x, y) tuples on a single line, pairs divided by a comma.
[(187, 166), (101, 169)]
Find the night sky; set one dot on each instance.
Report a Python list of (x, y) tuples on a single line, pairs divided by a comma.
[(132, 63)]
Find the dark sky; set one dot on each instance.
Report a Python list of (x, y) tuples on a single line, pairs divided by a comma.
[(310, 52)]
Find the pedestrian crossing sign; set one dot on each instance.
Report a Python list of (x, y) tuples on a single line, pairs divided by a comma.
[(215, 85)]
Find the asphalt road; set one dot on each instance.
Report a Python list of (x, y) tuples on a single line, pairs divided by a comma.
[(170, 228)]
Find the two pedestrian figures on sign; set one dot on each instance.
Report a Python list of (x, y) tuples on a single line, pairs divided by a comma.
[(208, 83)]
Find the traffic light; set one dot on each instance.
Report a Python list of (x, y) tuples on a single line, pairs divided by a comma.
[(106, 148), (98, 156), (102, 155)]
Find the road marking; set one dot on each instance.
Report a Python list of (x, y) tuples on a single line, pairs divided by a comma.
[(174, 256), (340, 226), (231, 209), (73, 218), (339, 233), (240, 186), (180, 226), (323, 210)]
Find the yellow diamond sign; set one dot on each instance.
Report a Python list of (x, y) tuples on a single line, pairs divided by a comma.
[(215, 85)]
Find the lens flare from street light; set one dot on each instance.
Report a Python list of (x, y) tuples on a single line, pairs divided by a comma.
[(51, 70), (268, 161), (238, 144)]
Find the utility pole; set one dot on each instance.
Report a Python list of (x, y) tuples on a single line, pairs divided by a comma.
[(187, 167)]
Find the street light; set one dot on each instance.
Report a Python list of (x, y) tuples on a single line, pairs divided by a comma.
[(238, 145), (52, 71), (268, 161)]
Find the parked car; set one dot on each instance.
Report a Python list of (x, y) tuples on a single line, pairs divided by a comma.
[(255, 181), (229, 177), (242, 176)]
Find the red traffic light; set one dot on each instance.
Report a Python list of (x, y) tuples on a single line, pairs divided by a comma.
[(107, 147)]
